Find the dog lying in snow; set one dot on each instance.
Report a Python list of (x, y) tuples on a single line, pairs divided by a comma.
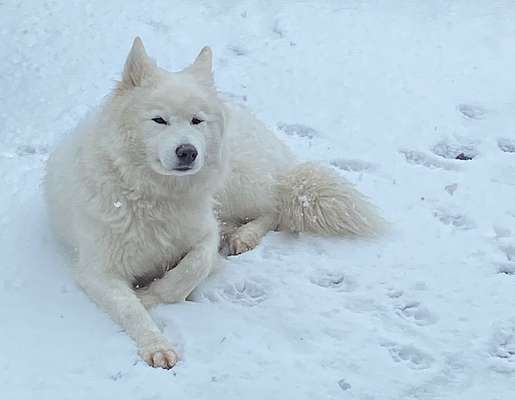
[(135, 189)]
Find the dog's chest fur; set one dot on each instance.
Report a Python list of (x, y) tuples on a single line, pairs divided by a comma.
[(146, 237)]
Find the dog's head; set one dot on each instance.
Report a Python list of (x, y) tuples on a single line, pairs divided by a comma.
[(172, 123)]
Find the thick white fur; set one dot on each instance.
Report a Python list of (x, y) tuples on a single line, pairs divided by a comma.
[(268, 189), (115, 195)]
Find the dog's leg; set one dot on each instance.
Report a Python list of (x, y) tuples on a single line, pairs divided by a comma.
[(247, 236), (117, 298), (180, 281)]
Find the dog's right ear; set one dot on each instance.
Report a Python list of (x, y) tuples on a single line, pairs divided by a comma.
[(138, 66)]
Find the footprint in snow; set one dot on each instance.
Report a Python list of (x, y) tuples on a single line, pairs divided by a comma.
[(158, 26), (344, 385), (409, 355), (472, 111), (506, 268), (426, 160), (300, 130), (507, 247), (454, 218), (394, 293), (238, 50), (506, 145), (451, 188), (279, 29), (506, 244), (353, 165), (30, 150), (334, 280), (460, 150), (502, 347), (247, 293), (416, 313), (237, 98)]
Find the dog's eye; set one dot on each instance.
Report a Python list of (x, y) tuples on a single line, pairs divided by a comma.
[(196, 121), (159, 120)]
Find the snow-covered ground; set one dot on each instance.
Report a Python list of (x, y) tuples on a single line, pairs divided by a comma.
[(389, 95)]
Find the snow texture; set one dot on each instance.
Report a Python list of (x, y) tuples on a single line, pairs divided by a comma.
[(390, 94)]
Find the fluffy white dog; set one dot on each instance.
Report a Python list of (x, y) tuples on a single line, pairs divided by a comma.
[(136, 189)]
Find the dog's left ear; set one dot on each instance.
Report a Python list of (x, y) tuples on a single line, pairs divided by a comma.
[(202, 67)]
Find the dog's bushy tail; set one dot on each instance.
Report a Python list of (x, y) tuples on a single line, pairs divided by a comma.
[(314, 198)]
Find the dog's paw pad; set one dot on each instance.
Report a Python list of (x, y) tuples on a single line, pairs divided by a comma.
[(239, 246), (502, 347), (506, 145), (409, 355), (159, 356), (334, 280), (164, 359), (238, 242), (298, 130), (417, 313)]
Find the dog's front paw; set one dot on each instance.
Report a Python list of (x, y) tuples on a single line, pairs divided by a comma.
[(159, 356), (238, 243), (238, 246)]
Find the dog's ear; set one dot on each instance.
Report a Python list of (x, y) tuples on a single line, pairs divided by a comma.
[(138, 66), (202, 67)]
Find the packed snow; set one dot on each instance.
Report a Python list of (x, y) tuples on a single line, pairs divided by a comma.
[(413, 102)]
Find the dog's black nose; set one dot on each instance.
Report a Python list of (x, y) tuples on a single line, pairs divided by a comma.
[(186, 153)]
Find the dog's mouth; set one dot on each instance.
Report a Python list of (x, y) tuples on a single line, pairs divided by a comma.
[(179, 170), (183, 168)]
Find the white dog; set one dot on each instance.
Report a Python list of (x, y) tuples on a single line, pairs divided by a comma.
[(135, 190)]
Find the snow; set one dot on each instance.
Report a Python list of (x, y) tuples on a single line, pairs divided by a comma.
[(389, 95)]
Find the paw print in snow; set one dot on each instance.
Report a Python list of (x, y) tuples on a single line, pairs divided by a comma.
[(415, 312), (426, 160), (472, 111), (506, 268), (508, 248), (506, 145), (353, 165), (455, 151), (247, 293), (335, 280), (411, 356), (454, 218), (30, 150), (502, 347), (298, 130)]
